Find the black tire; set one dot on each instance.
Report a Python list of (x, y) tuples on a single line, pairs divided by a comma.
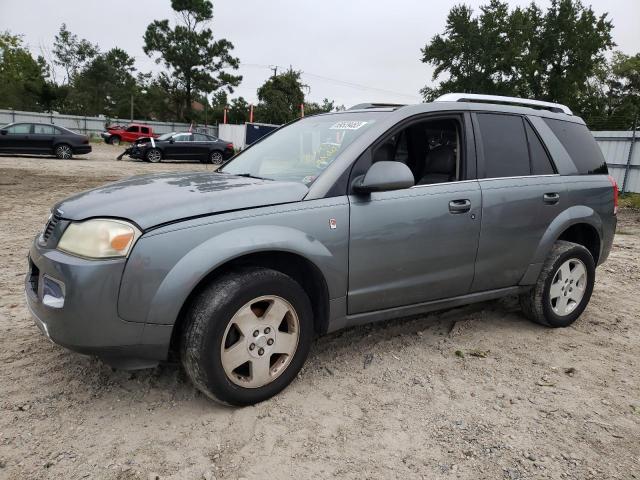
[(63, 151), (114, 140), (537, 305), (216, 157), (153, 155), (207, 320)]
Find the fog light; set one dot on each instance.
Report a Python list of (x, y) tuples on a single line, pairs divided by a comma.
[(52, 292)]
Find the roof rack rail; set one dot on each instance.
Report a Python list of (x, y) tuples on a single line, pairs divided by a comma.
[(473, 97), (363, 106)]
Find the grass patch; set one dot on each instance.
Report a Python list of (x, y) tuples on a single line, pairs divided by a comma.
[(629, 200)]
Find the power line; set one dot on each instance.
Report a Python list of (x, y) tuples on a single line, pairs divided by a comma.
[(338, 81)]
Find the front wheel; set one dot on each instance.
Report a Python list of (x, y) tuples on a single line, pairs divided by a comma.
[(564, 286), (153, 155), (64, 152), (247, 335), (114, 140)]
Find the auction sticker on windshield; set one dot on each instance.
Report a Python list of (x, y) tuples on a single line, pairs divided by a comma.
[(347, 125)]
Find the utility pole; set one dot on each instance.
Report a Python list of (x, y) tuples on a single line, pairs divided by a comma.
[(629, 158)]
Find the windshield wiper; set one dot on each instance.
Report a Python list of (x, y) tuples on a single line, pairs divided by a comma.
[(248, 175)]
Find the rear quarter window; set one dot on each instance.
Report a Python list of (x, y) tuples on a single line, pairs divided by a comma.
[(580, 145)]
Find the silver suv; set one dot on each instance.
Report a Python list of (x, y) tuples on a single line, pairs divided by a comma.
[(332, 221)]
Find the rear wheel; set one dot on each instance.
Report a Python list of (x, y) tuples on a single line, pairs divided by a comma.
[(247, 335), (564, 286), (216, 157), (153, 155), (64, 151)]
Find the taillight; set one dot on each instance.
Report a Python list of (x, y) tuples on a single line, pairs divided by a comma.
[(615, 194), (230, 146)]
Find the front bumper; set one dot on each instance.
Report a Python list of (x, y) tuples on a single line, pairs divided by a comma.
[(85, 318)]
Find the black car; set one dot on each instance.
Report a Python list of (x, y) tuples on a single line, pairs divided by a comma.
[(181, 146), (42, 139)]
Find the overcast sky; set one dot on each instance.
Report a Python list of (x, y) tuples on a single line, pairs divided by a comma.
[(351, 51)]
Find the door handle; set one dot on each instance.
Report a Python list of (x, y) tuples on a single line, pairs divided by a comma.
[(459, 206), (551, 198)]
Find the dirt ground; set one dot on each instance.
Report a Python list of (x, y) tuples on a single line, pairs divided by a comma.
[(473, 393)]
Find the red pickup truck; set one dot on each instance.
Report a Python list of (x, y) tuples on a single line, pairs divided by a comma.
[(117, 133)]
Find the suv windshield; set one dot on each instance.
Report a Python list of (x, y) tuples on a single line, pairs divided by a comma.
[(300, 152)]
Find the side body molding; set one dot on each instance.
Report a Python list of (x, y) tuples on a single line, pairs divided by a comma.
[(164, 268)]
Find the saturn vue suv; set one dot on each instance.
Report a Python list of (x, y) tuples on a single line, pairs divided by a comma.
[(331, 221)]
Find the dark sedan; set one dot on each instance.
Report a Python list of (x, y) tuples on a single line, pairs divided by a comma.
[(42, 139), (182, 146)]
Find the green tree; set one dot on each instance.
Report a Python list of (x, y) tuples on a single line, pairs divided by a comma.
[(105, 85), (238, 111), (280, 98), (313, 108), (23, 78), (71, 53), (555, 55), (190, 52)]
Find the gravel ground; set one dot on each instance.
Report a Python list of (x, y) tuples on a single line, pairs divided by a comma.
[(475, 392)]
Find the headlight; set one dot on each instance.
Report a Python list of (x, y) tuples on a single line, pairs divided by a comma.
[(99, 238)]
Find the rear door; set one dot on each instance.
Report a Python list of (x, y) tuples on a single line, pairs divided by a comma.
[(42, 137), (521, 195), (202, 144)]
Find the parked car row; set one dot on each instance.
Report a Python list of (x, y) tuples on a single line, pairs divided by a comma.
[(48, 139)]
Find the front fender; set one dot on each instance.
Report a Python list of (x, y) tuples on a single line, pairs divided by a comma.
[(210, 255), (164, 268)]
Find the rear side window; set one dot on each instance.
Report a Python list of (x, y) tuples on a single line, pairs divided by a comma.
[(580, 145), (505, 146), (540, 161), (43, 130), (144, 129)]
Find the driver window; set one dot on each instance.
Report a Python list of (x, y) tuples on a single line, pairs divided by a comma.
[(431, 150), (185, 137)]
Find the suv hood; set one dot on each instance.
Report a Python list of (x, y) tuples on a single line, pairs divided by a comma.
[(151, 200)]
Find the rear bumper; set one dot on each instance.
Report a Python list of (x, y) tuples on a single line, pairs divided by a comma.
[(82, 149), (80, 312)]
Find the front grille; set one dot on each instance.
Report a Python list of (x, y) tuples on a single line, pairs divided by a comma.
[(51, 225)]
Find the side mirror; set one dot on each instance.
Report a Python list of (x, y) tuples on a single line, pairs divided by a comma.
[(4, 132), (171, 140), (384, 176)]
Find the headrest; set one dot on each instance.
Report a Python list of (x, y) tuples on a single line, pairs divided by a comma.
[(384, 153), (441, 160)]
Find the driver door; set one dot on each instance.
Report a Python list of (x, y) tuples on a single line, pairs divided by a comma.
[(416, 244)]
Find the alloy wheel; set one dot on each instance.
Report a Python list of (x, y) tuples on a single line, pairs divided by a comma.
[(568, 287), (154, 156), (216, 158), (260, 341), (64, 152)]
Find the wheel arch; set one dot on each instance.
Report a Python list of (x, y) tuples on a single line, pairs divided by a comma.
[(579, 224), (295, 265)]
